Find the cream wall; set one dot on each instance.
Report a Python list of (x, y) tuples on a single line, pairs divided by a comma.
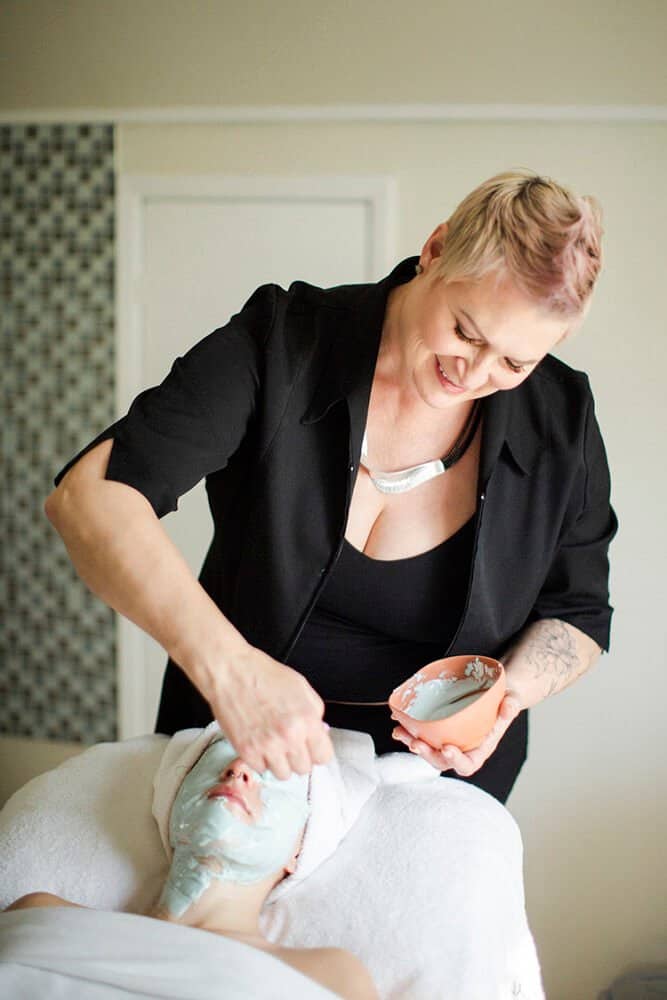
[(130, 53), (591, 801)]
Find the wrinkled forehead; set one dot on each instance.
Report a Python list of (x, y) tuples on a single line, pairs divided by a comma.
[(220, 753)]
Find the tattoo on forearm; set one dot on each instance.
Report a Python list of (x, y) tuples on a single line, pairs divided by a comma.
[(552, 653)]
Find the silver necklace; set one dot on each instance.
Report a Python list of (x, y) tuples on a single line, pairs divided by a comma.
[(407, 479)]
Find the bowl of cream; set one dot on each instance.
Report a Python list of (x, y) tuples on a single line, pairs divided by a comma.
[(451, 701)]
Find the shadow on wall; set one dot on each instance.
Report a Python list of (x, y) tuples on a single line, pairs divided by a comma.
[(648, 982)]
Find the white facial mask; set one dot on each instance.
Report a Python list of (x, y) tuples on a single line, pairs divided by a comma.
[(211, 842)]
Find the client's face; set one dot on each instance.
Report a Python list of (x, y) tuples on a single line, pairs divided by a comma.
[(229, 822)]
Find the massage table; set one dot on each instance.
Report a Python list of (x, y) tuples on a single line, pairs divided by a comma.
[(425, 887)]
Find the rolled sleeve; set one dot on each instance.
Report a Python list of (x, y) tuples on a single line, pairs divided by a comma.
[(576, 588), (189, 426)]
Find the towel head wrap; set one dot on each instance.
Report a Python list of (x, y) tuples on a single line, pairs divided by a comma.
[(334, 804)]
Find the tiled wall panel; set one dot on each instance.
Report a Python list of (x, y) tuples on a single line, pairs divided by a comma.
[(57, 673)]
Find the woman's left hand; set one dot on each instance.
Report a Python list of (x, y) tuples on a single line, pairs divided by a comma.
[(450, 757)]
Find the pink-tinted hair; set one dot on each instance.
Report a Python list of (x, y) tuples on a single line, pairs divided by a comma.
[(527, 228)]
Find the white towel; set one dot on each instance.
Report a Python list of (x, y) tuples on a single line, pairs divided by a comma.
[(85, 831), (335, 804), (426, 886), (70, 954), (426, 889)]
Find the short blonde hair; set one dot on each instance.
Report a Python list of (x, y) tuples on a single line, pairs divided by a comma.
[(533, 231)]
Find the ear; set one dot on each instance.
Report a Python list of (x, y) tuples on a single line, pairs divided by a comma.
[(432, 249)]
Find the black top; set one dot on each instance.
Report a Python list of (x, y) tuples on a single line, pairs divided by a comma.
[(378, 621), (271, 409)]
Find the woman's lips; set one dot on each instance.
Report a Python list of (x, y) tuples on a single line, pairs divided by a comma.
[(445, 380), (224, 792)]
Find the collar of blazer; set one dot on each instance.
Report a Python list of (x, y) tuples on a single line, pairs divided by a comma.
[(349, 321)]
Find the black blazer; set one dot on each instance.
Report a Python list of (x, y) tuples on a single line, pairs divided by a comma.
[(271, 409)]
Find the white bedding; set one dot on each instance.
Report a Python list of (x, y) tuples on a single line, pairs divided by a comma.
[(426, 888), (86, 954)]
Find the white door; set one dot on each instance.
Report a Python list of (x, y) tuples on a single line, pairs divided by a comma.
[(190, 252)]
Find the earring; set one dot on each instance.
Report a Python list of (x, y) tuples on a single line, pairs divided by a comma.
[(418, 269)]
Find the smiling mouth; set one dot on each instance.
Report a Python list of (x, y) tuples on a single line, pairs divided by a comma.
[(457, 388)]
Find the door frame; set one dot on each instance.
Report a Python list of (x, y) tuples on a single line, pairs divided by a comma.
[(134, 192)]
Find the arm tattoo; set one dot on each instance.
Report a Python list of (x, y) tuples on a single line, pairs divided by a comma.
[(552, 653)]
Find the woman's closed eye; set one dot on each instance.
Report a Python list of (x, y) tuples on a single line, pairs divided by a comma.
[(462, 336), (513, 366)]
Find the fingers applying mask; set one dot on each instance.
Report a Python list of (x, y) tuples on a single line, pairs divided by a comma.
[(299, 758), (319, 745), (272, 715), (284, 759), (314, 747), (303, 744)]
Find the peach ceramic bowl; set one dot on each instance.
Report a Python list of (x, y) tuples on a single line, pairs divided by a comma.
[(466, 728)]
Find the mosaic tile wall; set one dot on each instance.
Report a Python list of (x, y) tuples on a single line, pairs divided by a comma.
[(57, 642)]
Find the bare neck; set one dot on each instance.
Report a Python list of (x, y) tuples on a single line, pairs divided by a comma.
[(224, 908)]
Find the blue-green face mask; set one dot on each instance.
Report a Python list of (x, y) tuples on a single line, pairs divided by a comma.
[(210, 840)]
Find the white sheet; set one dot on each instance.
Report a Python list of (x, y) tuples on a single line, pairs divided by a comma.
[(426, 888), (86, 954)]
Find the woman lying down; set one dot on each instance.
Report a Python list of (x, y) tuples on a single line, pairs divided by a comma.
[(233, 835)]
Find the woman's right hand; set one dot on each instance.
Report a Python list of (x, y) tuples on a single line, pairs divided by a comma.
[(270, 713)]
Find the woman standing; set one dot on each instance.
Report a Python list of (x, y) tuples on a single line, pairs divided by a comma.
[(396, 472)]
